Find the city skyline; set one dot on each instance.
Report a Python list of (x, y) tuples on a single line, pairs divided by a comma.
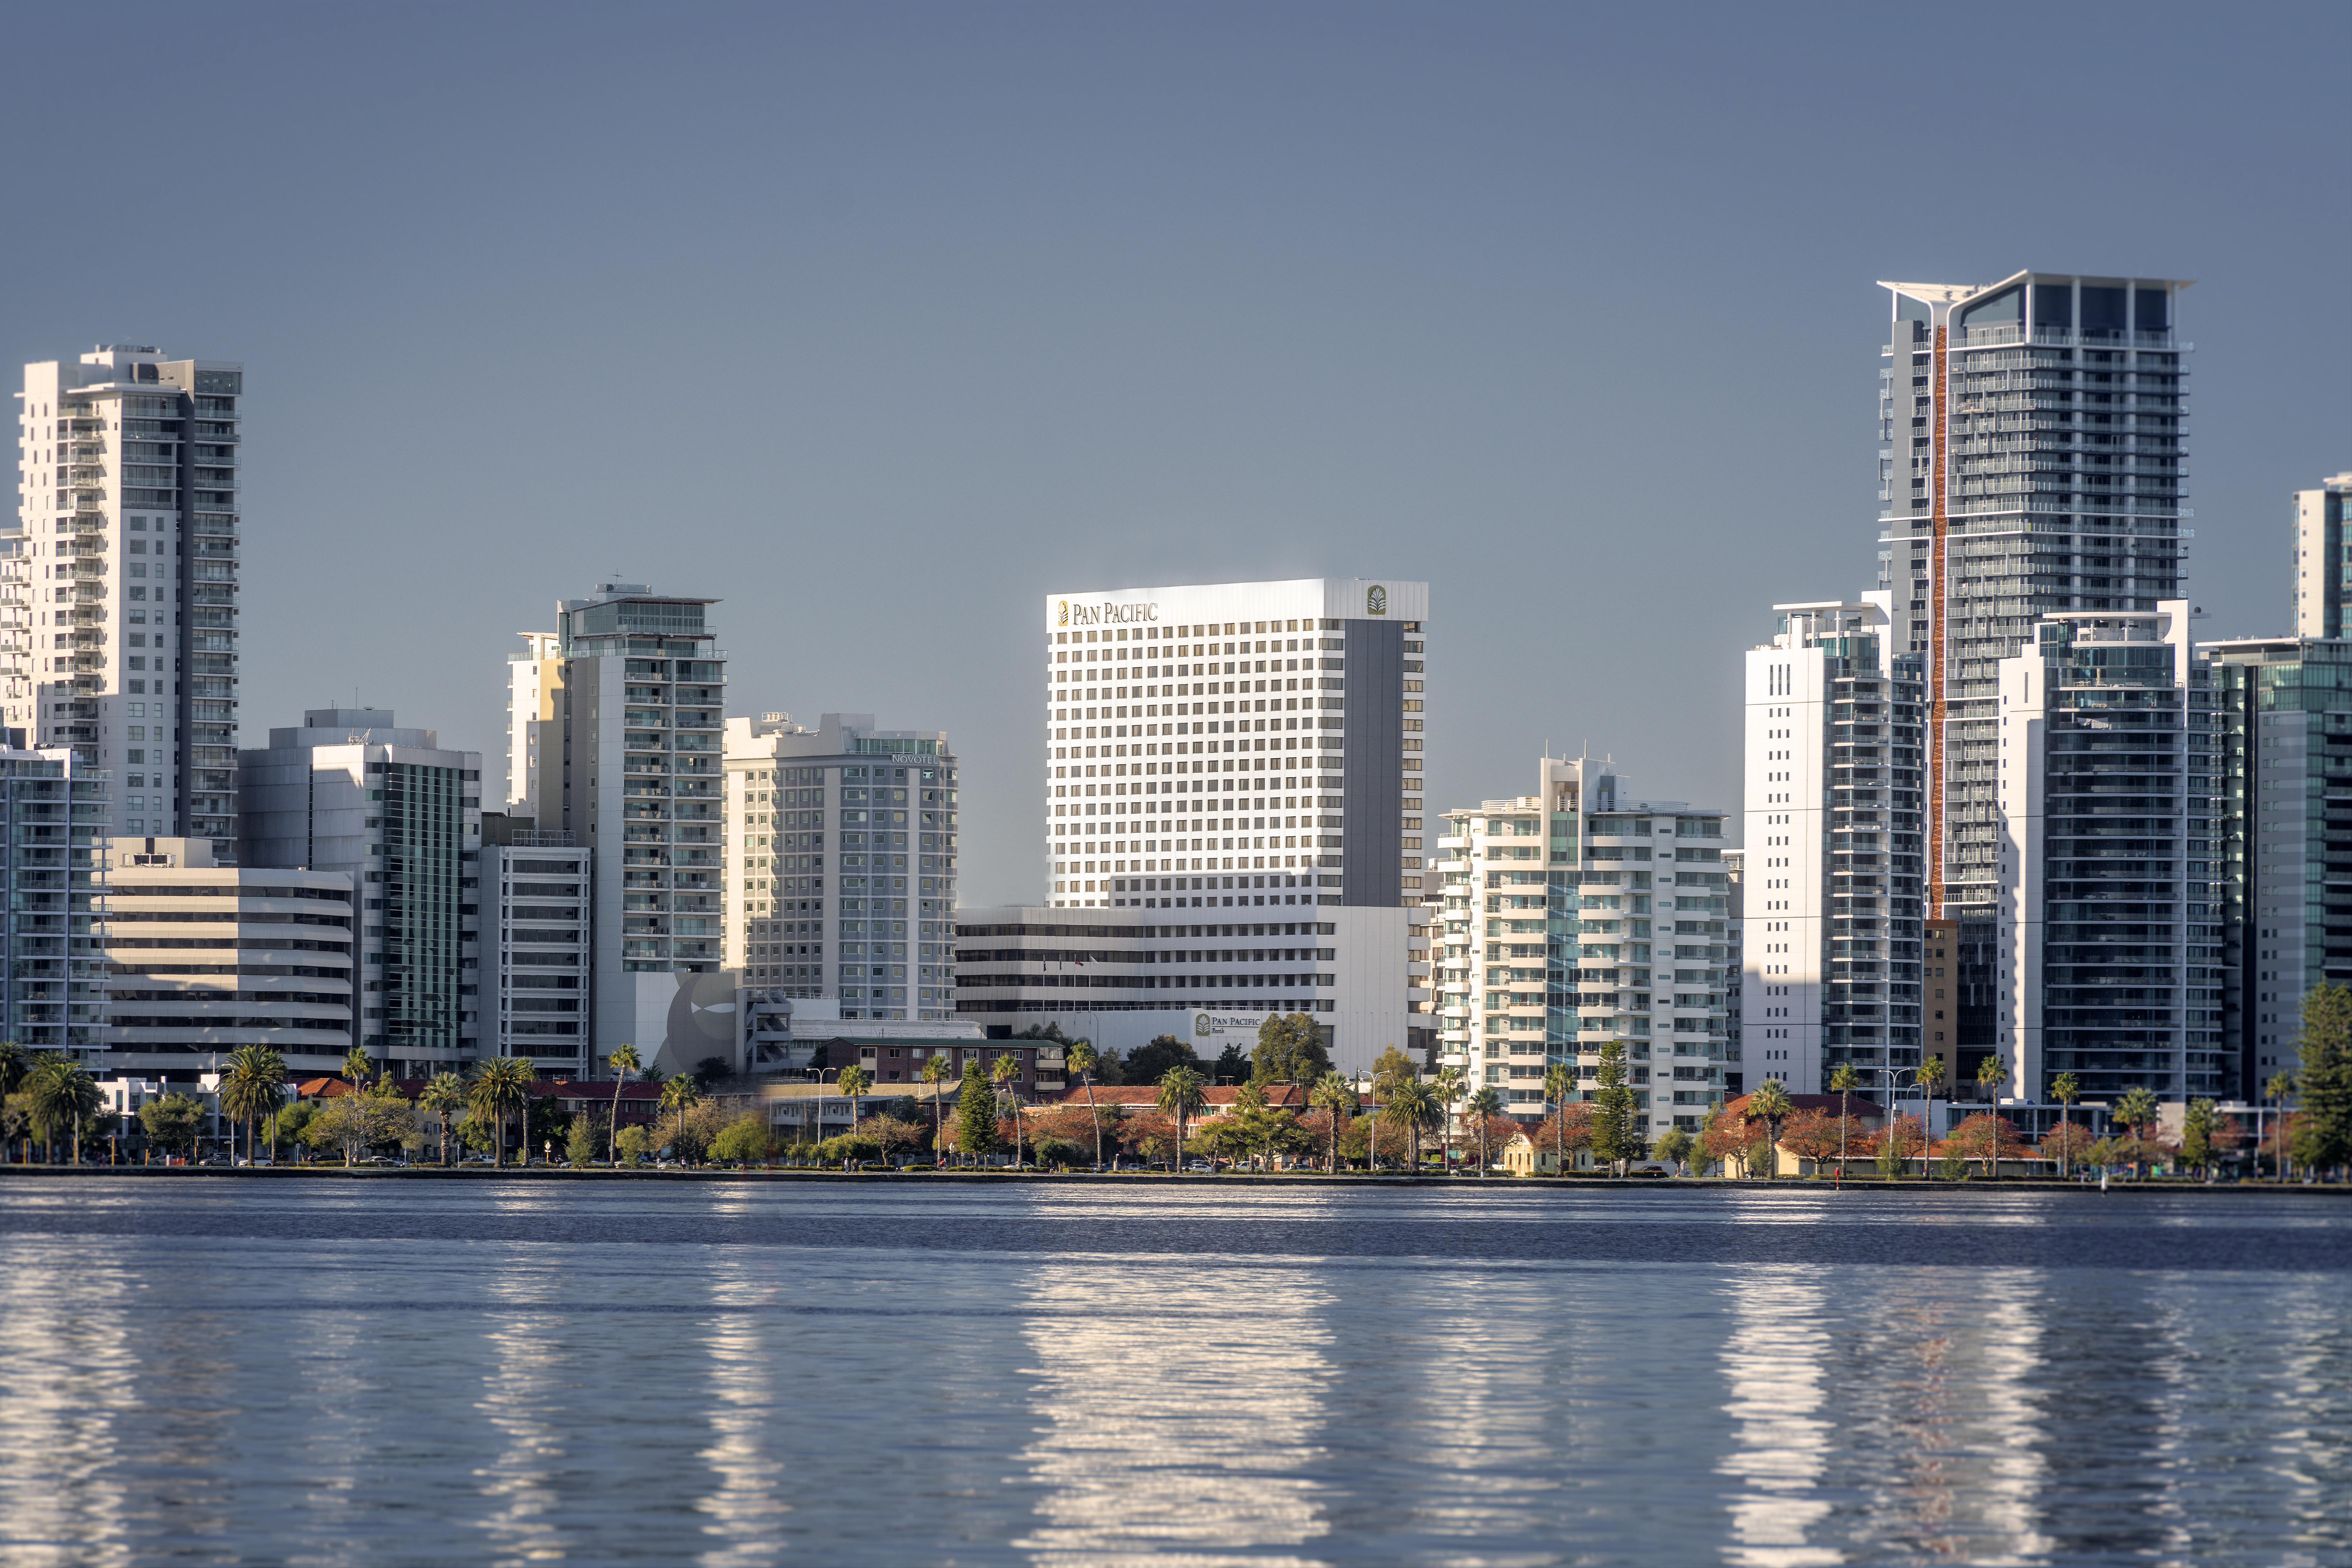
[(1248, 306)]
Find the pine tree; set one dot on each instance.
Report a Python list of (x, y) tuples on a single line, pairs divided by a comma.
[(976, 1116), (1616, 1130), (2323, 1132)]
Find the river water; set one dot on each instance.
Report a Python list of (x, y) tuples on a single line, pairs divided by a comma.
[(322, 1371)]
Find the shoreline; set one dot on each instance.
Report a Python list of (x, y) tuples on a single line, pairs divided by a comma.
[(1522, 1183)]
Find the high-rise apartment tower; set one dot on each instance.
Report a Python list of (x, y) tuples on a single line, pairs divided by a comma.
[(118, 622), (630, 761), (2030, 458), (2323, 558)]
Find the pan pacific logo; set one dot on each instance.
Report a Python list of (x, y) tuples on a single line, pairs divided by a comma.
[(1066, 612), (1376, 600), (1199, 1022)]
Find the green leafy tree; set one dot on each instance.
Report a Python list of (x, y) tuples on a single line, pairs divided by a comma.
[(1393, 1067), (624, 1062), (682, 1094), (1335, 1097), (1183, 1092), (59, 1095), (356, 1121), (500, 1089), (975, 1115), (1232, 1066), (1675, 1145), (2322, 1125), (1082, 1059), (15, 1061), (1616, 1131), (745, 1140), (582, 1141), (2066, 1089), (2201, 1121), (444, 1096), (1485, 1105), (1843, 1081), (170, 1122), (1149, 1063), (252, 1088), (1289, 1051), (1771, 1102), (631, 1144), (937, 1068), (1006, 1076)]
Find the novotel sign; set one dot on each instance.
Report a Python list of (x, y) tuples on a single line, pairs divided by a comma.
[(1071, 615)]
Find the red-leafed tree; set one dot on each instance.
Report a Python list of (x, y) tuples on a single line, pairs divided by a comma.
[(1986, 1137), (2067, 1143)]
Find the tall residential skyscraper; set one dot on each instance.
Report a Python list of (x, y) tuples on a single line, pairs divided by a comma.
[(121, 579), (2109, 950), (630, 761), (842, 863), (1832, 893), (2323, 560), (1291, 710), (526, 669), (401, 816), (2029, 458), (2283, 851)]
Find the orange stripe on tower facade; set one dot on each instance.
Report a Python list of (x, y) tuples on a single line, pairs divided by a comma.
[(1939, 523)]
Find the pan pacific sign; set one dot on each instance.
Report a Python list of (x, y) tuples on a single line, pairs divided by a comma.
[(1131, 615), (1221, 1025)]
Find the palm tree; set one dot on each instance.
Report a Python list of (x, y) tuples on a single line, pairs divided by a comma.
[(681, 1093), (1559, 1082), (1932, 1077), (1991, 1073), (443, 1095), (1333, 1093), (2066, 1089), (1485, 1105), (1845, 1081), (358, 1067), (1772, 1103), (61, 1091), (937, 1071), (1006, 1075), (1082, 1054), (853, 1081), (1448, 1086), (2279, 1086), (1414, 1108), (500, 1088), (624, 1062), (253, 1085), (1183, 1092), (2135, 1109)]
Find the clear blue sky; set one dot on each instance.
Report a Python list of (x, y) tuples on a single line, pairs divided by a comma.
[(878, 320)]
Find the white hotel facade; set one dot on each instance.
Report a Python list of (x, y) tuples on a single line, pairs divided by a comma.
[(1236, 747)]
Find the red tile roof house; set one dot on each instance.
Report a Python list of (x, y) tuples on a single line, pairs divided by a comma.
[(1866, 1112)]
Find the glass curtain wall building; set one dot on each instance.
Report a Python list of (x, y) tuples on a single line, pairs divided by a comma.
[(53, 869), (2283, 734)]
